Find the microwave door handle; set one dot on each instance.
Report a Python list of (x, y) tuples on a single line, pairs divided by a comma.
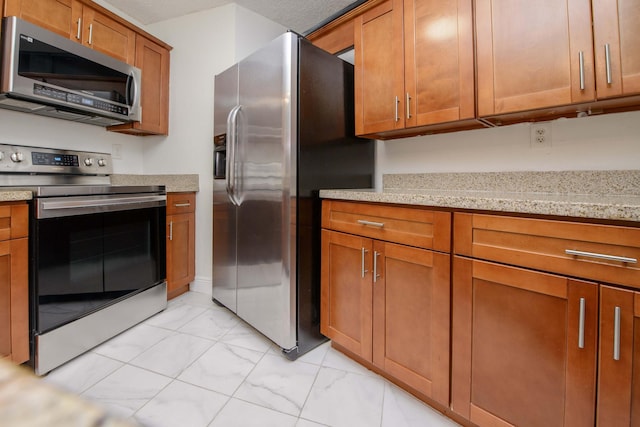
[(132, 90)]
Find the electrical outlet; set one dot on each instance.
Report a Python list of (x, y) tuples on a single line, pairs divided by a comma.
[(540, 135), (116, 151)]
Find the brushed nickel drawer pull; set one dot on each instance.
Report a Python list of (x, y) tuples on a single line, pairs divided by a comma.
[(583, 309), (182, 205), (616, 334), (371, 223), (601, 256), (79, 28)]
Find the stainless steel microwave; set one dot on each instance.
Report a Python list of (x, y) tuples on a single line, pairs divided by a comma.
[(46, 74)]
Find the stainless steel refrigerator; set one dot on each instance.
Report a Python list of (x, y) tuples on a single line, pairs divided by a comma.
[(283, 130)]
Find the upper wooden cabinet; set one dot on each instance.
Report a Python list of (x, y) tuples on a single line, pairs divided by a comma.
[(539, 57), (80, 22), (616, 42), (533, 55), (54, 15), (97, 31), (413, 66), (153, 61)]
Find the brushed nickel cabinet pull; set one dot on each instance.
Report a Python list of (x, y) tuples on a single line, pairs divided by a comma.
[(607, 58), (616, 333), (371, 223), (90, 34), (397, 115), (375, 266), (182, 205), (601, 256), (408, 106), (171, 230), (583, 307), (364, 252), (581, 59), (78, 34)]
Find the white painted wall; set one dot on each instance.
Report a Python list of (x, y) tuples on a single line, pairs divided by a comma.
[(606, 142), (204, 44), (28, 129)]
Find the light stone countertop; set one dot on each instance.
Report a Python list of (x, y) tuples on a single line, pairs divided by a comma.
[(176, 183), (15, 195), (609, 195)]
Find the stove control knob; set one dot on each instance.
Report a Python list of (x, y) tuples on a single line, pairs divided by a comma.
[(102, 162), (17, 157), (88, 161)]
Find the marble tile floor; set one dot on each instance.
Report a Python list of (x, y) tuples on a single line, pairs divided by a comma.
[(196, 364)]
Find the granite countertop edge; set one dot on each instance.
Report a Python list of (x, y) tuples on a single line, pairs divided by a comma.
[(618, 207), (174, 183), (15, 195)]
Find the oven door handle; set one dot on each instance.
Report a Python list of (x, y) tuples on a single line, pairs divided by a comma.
[(67, 206)]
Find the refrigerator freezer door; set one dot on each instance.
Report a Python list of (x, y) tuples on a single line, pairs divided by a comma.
[(224, 211), (267, 190)]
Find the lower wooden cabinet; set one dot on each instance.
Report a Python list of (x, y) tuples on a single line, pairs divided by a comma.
[(619, 358), (389, 305), (524, 346), (181, 235), (14, 283)]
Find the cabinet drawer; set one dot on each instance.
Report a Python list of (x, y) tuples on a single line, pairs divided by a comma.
[(605, 253), (180, 203), (418, 227), (14, 221)]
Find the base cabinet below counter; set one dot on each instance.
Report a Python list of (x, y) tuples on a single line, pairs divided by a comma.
[(386, 303), (14, 282), (181, 236), (545, 314)]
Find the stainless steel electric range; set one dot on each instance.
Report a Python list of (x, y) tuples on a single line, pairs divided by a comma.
[(97, 252)]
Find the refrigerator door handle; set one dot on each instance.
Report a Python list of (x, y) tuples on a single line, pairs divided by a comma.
[(232, 144)]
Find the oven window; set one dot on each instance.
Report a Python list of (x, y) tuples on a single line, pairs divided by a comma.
[(85, 262)]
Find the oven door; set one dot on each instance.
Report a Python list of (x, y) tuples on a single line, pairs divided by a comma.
[(82, 263)]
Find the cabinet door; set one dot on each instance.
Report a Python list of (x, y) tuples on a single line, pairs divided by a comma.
[(54, 15), (524, 346), (105, 35), (619, 358), (153, 60), (379, 69), (616, 41), (439, 67), (14, 302), (346, 292), (529, 54), (411, 317), (181, 236)]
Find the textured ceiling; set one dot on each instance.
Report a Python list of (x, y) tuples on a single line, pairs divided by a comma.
[(297, 15)]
